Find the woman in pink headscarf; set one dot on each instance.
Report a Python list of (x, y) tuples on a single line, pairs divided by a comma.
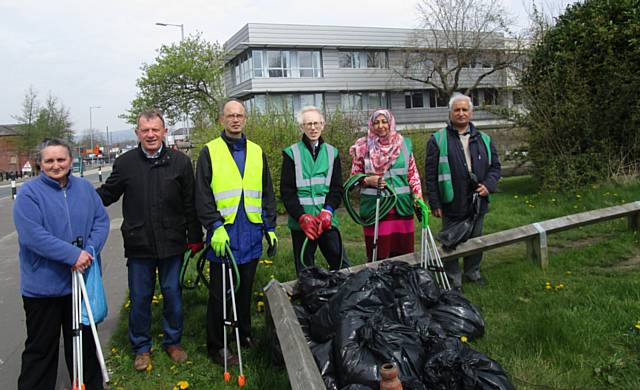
[(386, 158)]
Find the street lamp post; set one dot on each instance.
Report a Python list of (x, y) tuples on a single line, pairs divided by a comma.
[(174, 25), (91, 124), (186, 121)]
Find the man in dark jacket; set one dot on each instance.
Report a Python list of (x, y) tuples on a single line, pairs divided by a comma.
[(159, 224), (311, 190), (460, 161), (236, 204)]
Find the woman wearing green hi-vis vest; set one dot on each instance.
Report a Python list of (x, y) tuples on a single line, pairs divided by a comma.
[(386, 157)]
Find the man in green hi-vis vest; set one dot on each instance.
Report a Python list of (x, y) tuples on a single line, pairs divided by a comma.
[(461, 160), (311, 190)]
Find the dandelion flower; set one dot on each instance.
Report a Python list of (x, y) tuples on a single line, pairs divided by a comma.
[(182, 385), (464, 339)]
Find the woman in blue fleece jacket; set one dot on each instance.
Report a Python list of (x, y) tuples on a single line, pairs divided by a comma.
[(50, 212)]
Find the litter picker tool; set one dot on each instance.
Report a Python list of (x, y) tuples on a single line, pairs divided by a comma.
[(228, 323), (78, 295), (376, 225), (429, 255)]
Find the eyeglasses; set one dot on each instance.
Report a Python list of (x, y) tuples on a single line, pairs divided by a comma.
[(311, 125), (235, 116)]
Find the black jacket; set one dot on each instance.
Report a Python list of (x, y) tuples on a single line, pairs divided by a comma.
[(289, 190), (487, 174), (158, 205)]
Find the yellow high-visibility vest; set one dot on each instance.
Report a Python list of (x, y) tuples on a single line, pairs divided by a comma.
[(229, 186)]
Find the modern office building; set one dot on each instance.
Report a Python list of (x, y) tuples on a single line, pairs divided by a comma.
[(354, 69)]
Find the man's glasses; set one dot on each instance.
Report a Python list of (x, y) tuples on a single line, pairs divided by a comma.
[(235, 116), (311, 125)]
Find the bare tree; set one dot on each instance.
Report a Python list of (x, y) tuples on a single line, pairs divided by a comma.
[(460, 44)]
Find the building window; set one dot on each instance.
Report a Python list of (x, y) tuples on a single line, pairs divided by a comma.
[(258, 64), (277, 63), (351, 101), (414, 99), (435, 100), (359, 101), (282, 103), (308, 63), (286, 63), (517, 97), (242, 68), (363, 59)]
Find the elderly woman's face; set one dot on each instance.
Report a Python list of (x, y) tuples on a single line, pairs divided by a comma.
[(381, 126), (55, 162)]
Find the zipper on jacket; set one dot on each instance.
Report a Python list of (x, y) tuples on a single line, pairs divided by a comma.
[(66, 207)]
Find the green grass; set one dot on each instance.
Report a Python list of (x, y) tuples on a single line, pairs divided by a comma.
[(578, 336)]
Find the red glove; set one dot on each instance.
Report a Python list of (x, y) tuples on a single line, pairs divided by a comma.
[(324, 221), (195, 247), (309, 225)]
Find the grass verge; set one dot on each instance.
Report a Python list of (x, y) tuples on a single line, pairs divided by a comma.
[(574, 326)]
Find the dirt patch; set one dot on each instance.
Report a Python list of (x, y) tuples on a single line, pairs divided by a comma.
[(627, 265), (575, 244)]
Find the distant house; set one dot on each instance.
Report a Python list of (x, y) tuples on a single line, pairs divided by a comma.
[(351, 69), (11, 160)]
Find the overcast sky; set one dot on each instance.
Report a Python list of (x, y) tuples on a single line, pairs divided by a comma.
[(88, 53)]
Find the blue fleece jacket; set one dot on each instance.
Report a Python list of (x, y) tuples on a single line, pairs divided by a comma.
[(48, 219)]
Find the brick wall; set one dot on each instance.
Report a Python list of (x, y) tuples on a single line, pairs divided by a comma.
[(10, 159)]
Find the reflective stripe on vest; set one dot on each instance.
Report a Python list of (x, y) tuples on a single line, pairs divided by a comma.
[(313, 177), (397, 178), (445, 185), (229, 187)]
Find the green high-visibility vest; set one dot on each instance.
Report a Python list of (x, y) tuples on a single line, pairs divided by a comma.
[(229, 186), (313, 178), (397, 178), (444, 169)]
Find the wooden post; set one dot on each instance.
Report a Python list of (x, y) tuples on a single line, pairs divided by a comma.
[(634, 220), (301, 367), (537, 249)]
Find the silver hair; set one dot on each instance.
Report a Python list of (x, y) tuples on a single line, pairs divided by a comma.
[(307, 109), (150, 114), (51, 142), (458, 96)]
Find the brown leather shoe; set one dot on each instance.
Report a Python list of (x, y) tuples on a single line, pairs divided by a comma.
[(177, 353), (143, 360), (218, 358)]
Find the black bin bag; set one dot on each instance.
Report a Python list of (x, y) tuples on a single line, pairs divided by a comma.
[(453, 365), (363, 345), (317, 285), (457, 316), (460, 231), (364, 293)]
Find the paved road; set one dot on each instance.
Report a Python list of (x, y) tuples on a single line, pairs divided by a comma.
[(90, 174), (12, 326)]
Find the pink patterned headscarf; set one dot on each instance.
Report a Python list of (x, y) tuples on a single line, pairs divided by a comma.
[(378, 153)]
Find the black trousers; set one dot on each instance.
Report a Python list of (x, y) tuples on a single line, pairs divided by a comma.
[(330, 244), (45, 317), (215, 325)]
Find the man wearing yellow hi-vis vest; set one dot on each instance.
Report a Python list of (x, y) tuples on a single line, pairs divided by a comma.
[(236, 204), (461, 161), (311, 190)]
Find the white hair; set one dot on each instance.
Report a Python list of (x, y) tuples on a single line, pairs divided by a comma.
[(307, 109), (458, 96)]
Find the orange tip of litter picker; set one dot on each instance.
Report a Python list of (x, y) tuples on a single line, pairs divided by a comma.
[(227, 376), (241, 381)]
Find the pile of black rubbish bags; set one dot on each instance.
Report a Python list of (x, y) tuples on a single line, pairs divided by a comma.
[(357, 322)]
